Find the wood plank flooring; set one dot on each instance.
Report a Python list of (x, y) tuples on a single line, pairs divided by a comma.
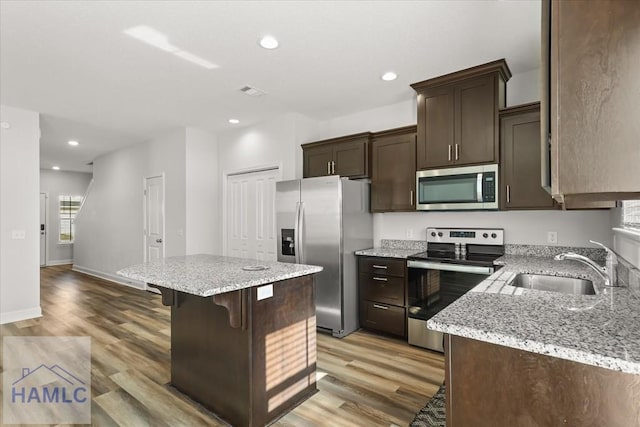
[(363, 380)]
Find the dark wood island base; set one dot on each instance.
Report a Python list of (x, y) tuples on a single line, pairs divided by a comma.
[(248, 360)]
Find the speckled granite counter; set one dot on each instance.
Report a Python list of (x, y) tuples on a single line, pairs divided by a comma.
[(388, 252), (395, 249), (207, 275), (600, 330)]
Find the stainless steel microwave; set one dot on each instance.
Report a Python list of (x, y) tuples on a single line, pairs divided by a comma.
[(461, 188)]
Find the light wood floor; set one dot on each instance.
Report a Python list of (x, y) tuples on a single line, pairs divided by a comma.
[(364, 379)]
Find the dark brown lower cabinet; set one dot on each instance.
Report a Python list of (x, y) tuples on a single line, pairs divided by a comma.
[(520, 156), (493, 385), (382, 284), (234, 352)]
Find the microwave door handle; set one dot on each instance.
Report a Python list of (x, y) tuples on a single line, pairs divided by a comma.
[(479, 187)]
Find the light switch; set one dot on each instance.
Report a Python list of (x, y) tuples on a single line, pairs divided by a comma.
[(265, 292), (18, 234)]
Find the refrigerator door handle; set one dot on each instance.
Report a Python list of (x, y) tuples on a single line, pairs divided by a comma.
[(300, 233), (296, 233)]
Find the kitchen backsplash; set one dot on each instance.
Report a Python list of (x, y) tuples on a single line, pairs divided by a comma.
[(418, 245), (595, 254)]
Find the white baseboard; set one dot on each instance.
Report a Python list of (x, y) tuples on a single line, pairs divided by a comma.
[(111, 277), (59, 262), (18, 315)]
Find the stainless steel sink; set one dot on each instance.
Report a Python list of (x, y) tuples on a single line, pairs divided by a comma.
[(565, 285)]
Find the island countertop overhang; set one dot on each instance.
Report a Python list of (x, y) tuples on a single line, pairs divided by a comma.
[(207, 275)]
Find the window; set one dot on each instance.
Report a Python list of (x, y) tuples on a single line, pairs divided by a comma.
[(68, 207), (631, 214)]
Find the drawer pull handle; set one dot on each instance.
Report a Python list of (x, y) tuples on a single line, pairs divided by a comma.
[(384, 267), (382, 307), (381, 279)]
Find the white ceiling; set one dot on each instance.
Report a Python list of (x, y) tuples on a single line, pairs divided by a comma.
[(71, 61)]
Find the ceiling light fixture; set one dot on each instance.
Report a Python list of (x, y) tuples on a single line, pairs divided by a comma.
[(73, 143), (268, 42), (56, 168), (389, 76), (234, 121), (155, 38)]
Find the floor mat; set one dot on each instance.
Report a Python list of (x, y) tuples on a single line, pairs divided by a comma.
[(433, 414)]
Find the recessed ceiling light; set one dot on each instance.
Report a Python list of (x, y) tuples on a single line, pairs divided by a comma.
[(56, 168), (5, 125), (73, 143), (234, 121), (388, 76), (268, 42)]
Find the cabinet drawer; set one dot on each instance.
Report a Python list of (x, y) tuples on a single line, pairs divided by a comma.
[(383, 317), (385, 266), (380, 288)]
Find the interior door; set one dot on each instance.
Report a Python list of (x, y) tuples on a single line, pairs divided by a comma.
[(251, 220), (43, 229), (154, 218)]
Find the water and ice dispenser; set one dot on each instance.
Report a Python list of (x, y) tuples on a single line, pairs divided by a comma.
[(288, 242)]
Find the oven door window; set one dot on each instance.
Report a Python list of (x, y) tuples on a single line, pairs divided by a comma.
[(448, 189)]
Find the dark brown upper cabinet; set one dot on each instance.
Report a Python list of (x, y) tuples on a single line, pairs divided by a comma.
[(346, 156), (590, 109), (458, 116), (520, 159), (393, 171)]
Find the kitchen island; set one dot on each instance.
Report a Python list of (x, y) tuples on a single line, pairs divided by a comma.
[(517, 356), (243, 336)]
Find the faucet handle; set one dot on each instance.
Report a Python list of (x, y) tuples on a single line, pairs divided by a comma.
[(610, 254)]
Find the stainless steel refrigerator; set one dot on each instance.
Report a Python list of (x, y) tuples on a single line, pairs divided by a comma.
[(323, 221)]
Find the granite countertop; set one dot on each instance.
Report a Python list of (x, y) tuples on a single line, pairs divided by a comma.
[(600, 330), (207, 275), (388, 252)]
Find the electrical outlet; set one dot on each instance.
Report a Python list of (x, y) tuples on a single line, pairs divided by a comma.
[(18, 234), (409, 233), (552, 237)]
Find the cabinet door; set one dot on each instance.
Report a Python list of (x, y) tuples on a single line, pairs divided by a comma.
[(476, 121), (435, 127), (317, 161), (351, 159), (595, 69), (520, 162), (393, 175)]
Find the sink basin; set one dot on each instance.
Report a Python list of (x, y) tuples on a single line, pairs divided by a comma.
[(565, 285)]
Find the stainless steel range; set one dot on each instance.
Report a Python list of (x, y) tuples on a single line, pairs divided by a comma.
[(455, 261)]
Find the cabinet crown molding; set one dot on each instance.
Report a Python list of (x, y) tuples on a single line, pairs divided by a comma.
[(499, 66), (361, 135)]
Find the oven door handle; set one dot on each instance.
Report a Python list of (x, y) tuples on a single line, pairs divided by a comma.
[(427, 265)]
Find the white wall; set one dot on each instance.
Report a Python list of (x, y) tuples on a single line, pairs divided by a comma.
[(19, 211), (203, 197), (523, 88), (109, 230), (574, 228), (59, 183)]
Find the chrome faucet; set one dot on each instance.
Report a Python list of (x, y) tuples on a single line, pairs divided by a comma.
[(608, 273)]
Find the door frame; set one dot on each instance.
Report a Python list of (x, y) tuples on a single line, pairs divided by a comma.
[(144, 215), (225, 176), (46, 229)]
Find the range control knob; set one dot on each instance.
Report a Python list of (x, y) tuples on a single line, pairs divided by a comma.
[(439, 233), (433, 234), (494, 235), (485, 235)]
